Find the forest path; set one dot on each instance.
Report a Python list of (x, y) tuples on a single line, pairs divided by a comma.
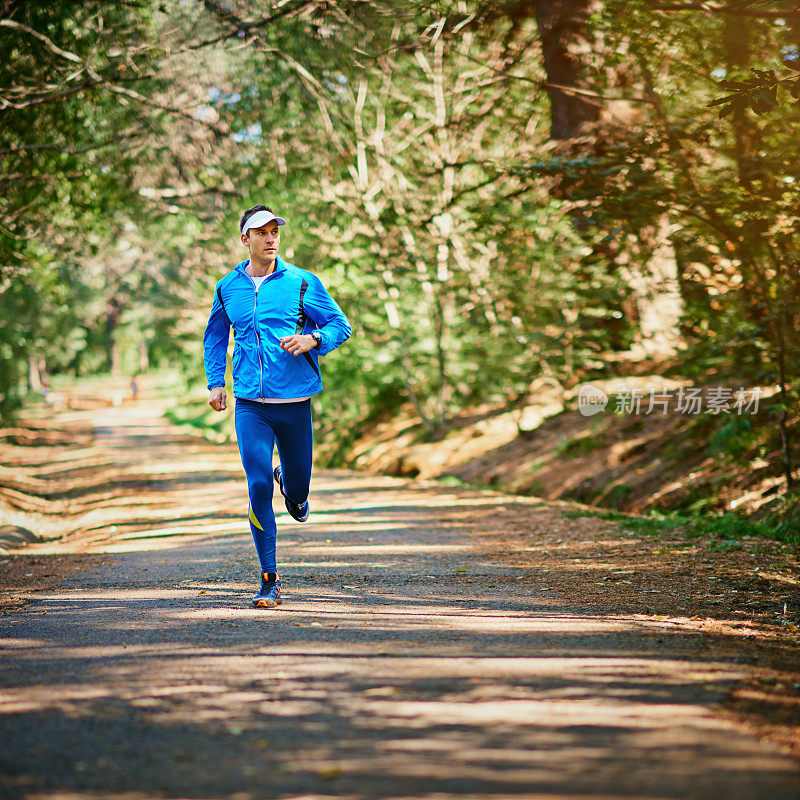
[(412, 656)]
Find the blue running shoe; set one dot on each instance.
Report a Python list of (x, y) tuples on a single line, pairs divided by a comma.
[(299, 512), (269, 595)]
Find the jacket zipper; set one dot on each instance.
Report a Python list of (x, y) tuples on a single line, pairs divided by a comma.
[(258, 338)]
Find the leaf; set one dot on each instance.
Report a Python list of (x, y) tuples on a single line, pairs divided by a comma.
[(729, 98)]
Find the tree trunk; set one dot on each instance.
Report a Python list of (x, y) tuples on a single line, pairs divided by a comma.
[(34, 377), (737, 41), (144, 359), (112, 351), (564, 40), (655, 290)]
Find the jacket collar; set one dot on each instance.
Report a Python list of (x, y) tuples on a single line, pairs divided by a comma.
[(280, 265)]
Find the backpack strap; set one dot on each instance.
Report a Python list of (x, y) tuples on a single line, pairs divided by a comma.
[(225, 310), (222, 302)]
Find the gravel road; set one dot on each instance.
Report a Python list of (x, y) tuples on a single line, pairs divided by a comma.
[(406, 661)]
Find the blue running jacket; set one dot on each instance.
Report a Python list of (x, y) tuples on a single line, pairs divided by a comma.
[(289, 301)]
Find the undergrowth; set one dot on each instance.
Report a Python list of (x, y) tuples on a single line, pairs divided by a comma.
[(202, 419), (780, 523)]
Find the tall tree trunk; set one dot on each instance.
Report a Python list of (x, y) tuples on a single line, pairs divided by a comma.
[(144, 359), (34, 377), (655, 289), (737, 41), (565, 44), (112, 351), (564, 37)]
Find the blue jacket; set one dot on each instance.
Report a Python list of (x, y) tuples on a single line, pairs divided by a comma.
[(289, 301)]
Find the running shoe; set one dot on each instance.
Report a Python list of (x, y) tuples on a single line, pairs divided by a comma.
[(269, 595), (299, 512)]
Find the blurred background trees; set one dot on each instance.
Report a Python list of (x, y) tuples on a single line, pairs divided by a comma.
[(498, 193)]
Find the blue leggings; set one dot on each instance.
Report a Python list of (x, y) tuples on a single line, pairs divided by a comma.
[(258, 427)]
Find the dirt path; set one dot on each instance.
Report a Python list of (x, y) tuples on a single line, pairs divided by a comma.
[(422, 650)]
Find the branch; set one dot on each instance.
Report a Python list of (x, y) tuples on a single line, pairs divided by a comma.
[(604, 98), (47, 98), (315, 89), (178, 112), (224, 11), (459, 194), (129, 134), (152, 193), (8, 23), (714, 9), (572, 90), (20, 177)]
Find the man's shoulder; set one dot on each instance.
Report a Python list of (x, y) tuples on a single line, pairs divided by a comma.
[(299, 272), (228, 276)]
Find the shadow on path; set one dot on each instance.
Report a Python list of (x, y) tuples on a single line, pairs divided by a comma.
[(406, 662)]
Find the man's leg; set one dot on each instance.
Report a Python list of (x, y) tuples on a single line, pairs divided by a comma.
[(256, 438), (295, 439)]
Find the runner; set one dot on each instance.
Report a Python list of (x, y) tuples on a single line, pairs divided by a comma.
[(283, 319)]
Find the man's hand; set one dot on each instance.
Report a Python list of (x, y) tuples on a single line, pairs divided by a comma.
[(217, 399), (299, 343)]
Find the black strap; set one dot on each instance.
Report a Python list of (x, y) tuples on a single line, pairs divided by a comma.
[(221, 302), (224, 310), (301, 323), (301, 314), (313, 365)]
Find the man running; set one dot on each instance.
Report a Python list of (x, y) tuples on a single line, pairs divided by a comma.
[(283, 319)]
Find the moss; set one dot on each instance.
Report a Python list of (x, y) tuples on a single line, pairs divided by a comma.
[(578, 446), (617, 494)]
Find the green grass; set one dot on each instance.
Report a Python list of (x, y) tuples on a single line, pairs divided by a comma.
[(735, 438), (644, 525), (451, 481), (578, 446), (617, 495), (782, 524), (202, 419)]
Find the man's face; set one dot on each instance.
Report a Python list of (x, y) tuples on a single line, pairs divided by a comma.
[(263, 242)]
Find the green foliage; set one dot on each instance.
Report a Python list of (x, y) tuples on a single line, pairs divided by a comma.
[(65, 171), (578, 446), (735, 437), (616, 495), (202, 419), (407, 146), (725, 530), (758, 92)]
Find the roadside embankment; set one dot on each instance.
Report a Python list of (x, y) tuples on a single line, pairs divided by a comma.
[(632, 457)]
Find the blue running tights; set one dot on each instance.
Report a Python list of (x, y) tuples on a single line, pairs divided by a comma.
[(259, 426)]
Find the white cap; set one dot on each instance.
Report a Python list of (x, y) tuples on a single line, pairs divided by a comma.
[(261, 218)]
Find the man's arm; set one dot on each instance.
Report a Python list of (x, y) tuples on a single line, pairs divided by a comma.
[(215, 351), (324, 312)]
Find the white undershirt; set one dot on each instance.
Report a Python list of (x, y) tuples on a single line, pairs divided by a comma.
[(281, 399), (258, 280)]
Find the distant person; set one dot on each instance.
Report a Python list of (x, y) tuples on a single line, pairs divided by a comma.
[(283, 319), (134, 388)]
